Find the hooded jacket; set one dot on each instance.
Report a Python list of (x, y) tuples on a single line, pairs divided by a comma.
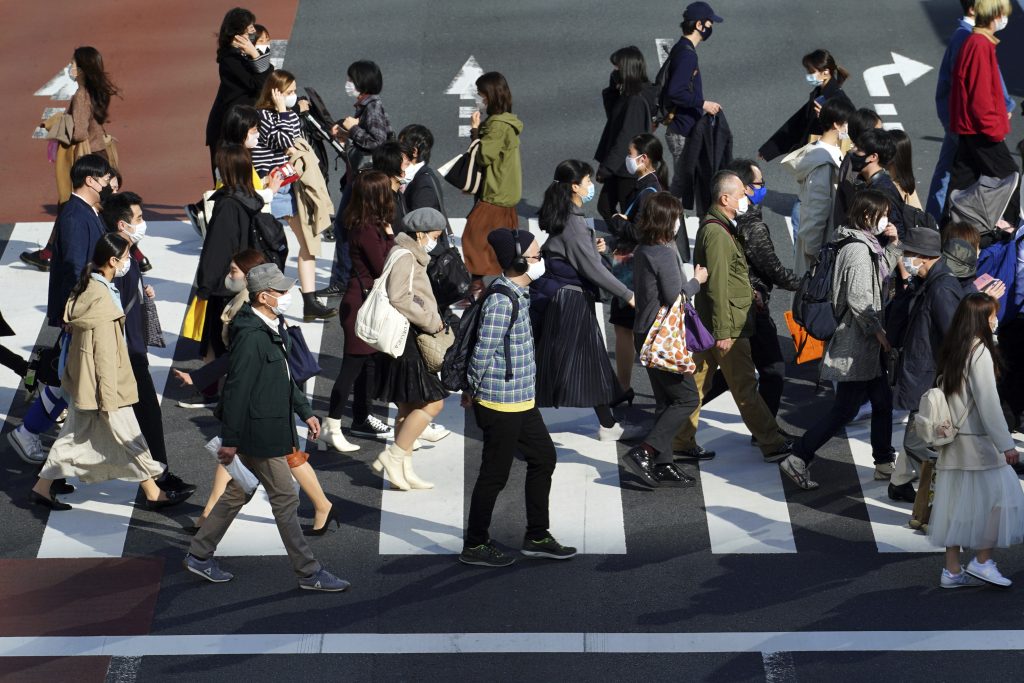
[(259, 397), (499, 155), (816, 170), (98, 374)]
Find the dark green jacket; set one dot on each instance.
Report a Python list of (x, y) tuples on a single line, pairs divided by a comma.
[(724, 301), (259, 396)]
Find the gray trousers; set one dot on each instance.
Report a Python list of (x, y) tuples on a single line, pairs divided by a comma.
[(676, 143), (276, 478), (915, 452)]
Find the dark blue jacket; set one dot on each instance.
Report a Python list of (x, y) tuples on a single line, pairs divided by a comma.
[(130, 286), (76, 233), (684, 90), (944, 85)]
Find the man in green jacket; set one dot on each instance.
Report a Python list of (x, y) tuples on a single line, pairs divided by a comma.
[(257, 409), (723, 304)]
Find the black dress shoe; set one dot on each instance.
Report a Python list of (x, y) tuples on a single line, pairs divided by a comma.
[(171, 482), (667, 474), (638, 461), (144, 265), (332, 289), (51, 502), (173, 498), (698, 453), (904, 492), (36, 258), (61, 487)]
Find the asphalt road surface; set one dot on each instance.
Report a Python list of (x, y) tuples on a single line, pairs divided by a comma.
[(743, 578)]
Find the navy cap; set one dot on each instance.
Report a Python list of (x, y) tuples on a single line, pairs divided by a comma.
[(700, 11)]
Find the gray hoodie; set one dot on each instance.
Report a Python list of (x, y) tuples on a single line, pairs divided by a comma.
[(816, 170)]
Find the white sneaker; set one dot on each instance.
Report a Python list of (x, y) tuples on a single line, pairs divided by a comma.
[(28, 445), (434, 432), (797, 470), (988, 573), (613, 433), (961, 580), (884, 471), (417, 444)]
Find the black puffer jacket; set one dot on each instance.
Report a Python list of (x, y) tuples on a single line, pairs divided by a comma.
[(765, 269)]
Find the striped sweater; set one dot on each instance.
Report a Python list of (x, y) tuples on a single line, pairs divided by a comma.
[(278, 132)]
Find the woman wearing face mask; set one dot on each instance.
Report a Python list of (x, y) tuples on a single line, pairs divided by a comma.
[(573, 369), (629, 101), (392, 159), (100, 439), (240, 83), (853, 357), (405, 380), (901, 168), (503, 175), (644, 161), (826, 79), (279, 128)]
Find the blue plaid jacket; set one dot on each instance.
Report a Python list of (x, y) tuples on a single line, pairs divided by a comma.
[(486, 372)]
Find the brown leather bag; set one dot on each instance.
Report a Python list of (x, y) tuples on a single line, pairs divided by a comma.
[(297, 458)]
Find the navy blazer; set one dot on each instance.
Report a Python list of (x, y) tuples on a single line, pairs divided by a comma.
[(75, 235)]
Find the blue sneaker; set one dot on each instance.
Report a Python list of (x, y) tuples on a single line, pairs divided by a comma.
[(323, 580), (208, 569)]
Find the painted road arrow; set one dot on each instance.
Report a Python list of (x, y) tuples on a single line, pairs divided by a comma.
[(464, 85), (908, 69), (60, 87)]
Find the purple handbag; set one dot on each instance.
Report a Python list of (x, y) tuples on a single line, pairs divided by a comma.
[(697, 336)]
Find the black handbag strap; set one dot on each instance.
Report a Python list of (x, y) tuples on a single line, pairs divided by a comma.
[(440, 199)]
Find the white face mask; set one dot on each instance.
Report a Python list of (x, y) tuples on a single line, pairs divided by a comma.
[(290, 100), (140, 232), (882, 224), (350, 89), (742, 205), (631, 165), (429, 246), (535, 270), (993, 324), (233, 285), (252, 140), (122, 267), (480, 104), (1001, 23), (812, 79), (908, 265), (844, 134), (283, 303), (675, 230)]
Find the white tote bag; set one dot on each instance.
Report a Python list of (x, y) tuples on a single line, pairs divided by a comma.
[(378, 323)]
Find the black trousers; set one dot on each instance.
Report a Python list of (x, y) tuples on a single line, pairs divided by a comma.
[(613, 195), (1011, 382), (850, 397), (356, 371), (976, 156), (504, 434), (147, 410), (771, 368), (675, 398)]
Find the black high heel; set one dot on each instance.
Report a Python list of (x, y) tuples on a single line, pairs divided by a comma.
[(50, 502), (626, 396), (332, 516)]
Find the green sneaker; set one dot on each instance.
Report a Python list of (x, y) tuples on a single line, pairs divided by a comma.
[(485, 555), (547, 547)]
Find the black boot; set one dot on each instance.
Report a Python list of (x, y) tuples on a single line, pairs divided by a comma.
[(312, 309)]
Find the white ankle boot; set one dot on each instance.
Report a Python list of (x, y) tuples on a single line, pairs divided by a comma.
[(332, 436), (390, 460), (410, 476)]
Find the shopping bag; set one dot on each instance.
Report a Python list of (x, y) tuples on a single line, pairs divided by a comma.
[(807, 347), (665, 346), (239, 472), (195, 318)]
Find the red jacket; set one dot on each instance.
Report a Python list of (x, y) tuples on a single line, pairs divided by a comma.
[(976, 103)]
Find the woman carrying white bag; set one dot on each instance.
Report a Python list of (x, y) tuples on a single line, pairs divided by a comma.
[(400, 317)]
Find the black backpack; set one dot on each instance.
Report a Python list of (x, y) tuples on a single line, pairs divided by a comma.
[(666, 111), (812, 303), (266, 235), (456, 358), (914, 217)]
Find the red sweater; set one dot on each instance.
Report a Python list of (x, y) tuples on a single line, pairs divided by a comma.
[(976, 104)]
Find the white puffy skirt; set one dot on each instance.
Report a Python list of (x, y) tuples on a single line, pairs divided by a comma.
[(977, 509)]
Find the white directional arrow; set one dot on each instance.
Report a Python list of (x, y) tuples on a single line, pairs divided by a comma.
[(60, 87), (464, 85), (907, 69)]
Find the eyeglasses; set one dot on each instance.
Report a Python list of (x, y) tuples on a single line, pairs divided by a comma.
[(535, 259), (757, 185)]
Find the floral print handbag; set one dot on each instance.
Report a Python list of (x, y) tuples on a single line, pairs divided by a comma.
[(665, 346)]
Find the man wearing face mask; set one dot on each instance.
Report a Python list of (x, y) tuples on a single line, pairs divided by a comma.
[(502, 387), (723, 305), (917, 330), (123, 213), (258, 405), (874, 152), (683, 93), (766, 272)]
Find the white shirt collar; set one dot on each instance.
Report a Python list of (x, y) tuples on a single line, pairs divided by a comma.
[(271, 323), (968, 20), (87, 202)]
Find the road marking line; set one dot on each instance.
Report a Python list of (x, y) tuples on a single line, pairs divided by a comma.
[(487, 643), (885, 109), (664, 47)]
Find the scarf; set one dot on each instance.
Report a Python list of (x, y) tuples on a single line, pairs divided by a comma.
[(883, 267)]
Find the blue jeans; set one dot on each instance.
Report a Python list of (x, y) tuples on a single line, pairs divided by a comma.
[(341, 269), (940, 179)]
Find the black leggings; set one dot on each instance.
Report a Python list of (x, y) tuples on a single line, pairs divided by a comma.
[(357, 371)]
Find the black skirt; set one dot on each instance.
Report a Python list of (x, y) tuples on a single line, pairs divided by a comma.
[(573, 368), (622, 314), (405, 379)]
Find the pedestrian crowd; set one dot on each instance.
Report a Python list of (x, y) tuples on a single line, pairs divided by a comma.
[(912, 307)]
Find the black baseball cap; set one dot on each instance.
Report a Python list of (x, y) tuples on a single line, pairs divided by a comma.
[(923, 241), (700, 11)]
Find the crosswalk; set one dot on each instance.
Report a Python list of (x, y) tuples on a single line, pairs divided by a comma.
[(746, 504)]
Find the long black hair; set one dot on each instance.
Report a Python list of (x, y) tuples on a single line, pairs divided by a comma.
[(901, 168), (650, 147), (234, 24), (111, 244), (632, 69), (96, 81), (557, 204), (971, 324)]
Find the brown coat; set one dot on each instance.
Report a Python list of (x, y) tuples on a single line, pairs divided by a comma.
[(98, 375), (415, 302)]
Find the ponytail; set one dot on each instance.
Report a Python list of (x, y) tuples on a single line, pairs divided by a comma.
[(109, 245), (650, 146), (557, 204)]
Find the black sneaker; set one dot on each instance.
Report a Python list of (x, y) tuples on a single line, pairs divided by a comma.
[(329, 291), (698, 453), (903, 492), (668, 474), (36, 258), (172, 482), (372, 428), (200, 402), (547, 547), (485, 555)]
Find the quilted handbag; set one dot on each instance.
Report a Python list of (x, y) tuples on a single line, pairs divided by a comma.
[(665, 346), (378, 323), (434, 346)]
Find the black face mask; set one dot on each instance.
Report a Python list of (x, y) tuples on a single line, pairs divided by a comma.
[(705, 32), (253, 36), (105, 193), (858, 162)]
